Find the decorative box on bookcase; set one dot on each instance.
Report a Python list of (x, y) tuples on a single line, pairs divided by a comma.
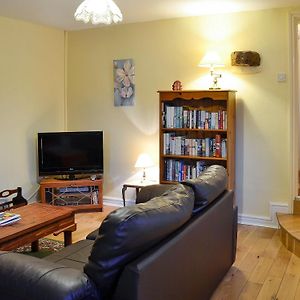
[(197, 129)]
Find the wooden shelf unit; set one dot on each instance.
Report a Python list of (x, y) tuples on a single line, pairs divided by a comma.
[(72, 193), (197, 100)]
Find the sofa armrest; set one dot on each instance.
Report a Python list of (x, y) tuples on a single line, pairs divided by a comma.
[(92, 235), (25, 277), (155, 190)]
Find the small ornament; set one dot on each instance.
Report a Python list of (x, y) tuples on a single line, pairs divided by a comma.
[(177, 86)]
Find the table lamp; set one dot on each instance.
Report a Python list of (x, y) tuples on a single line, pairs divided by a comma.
[(144, 161), (212, 60)]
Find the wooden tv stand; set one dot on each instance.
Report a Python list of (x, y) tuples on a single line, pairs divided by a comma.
[(80, 194)]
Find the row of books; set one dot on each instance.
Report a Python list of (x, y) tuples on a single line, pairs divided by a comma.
[(74, 189), (7, 218), (187, 117), (178, 170), (205, 147)]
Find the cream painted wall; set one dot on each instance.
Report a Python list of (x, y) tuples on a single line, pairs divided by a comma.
[(31, 97), (298, 76), (165, 51)]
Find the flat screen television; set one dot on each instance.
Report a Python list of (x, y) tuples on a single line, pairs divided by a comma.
[(70, 153)]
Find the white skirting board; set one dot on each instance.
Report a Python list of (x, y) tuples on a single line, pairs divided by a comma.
[(33, 195), (114, 201), (270, 221)]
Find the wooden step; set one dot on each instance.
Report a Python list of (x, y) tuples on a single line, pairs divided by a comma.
[(296, 209), (289, 226)]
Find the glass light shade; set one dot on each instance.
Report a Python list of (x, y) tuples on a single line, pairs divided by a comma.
[(98, 11), (144, 161), (211, 59)]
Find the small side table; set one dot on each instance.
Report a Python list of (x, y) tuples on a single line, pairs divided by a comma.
[(137, 185)]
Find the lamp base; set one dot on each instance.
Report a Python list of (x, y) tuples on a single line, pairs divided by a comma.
[(144, 175), (215, 77)]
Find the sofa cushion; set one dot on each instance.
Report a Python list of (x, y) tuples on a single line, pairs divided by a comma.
[(24, 277), (152, 191), (129, 231), (208, 185), (145, 194), (74, 256)]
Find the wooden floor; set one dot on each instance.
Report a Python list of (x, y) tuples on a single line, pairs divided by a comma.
[(86, 223), (264, 268)]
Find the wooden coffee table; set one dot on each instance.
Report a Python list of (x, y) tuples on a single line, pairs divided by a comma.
[(37, 220)]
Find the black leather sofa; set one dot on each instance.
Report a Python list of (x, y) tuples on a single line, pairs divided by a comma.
[(176, 243)]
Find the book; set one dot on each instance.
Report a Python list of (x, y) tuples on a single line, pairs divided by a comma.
[(94, 197), (7, 218), (224, 148), (218, 146)]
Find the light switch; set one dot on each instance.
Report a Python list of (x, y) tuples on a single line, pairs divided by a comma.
[(281, 77)]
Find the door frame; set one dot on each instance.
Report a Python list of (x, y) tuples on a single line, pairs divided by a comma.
[(294, 106)]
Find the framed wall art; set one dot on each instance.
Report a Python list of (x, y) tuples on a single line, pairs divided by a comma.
[(124, 82)]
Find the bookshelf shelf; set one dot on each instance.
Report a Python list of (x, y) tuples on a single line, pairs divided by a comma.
[(197, 129), (193, 130), (195, 157)]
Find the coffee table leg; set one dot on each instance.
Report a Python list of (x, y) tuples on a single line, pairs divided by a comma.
[(68, 238), (35, 246)]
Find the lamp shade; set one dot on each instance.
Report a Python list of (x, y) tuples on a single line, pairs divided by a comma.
[(144, 161), (211, 59), (98, 11)]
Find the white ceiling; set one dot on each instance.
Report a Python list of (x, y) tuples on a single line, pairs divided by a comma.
[(59, 13)]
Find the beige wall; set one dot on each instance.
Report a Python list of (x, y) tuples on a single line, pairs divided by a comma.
[(165, 51), (298, 74), (32, 94), (31, 97)]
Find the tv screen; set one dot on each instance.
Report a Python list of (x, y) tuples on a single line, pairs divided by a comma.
[(70, 153)]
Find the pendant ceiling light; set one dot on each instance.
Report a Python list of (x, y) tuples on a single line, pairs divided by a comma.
[(98, 11)]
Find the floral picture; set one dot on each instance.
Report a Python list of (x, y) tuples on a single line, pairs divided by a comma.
[(124, 82)]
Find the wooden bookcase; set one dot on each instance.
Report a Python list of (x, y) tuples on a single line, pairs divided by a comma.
[(80, 194), (197, 129)]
